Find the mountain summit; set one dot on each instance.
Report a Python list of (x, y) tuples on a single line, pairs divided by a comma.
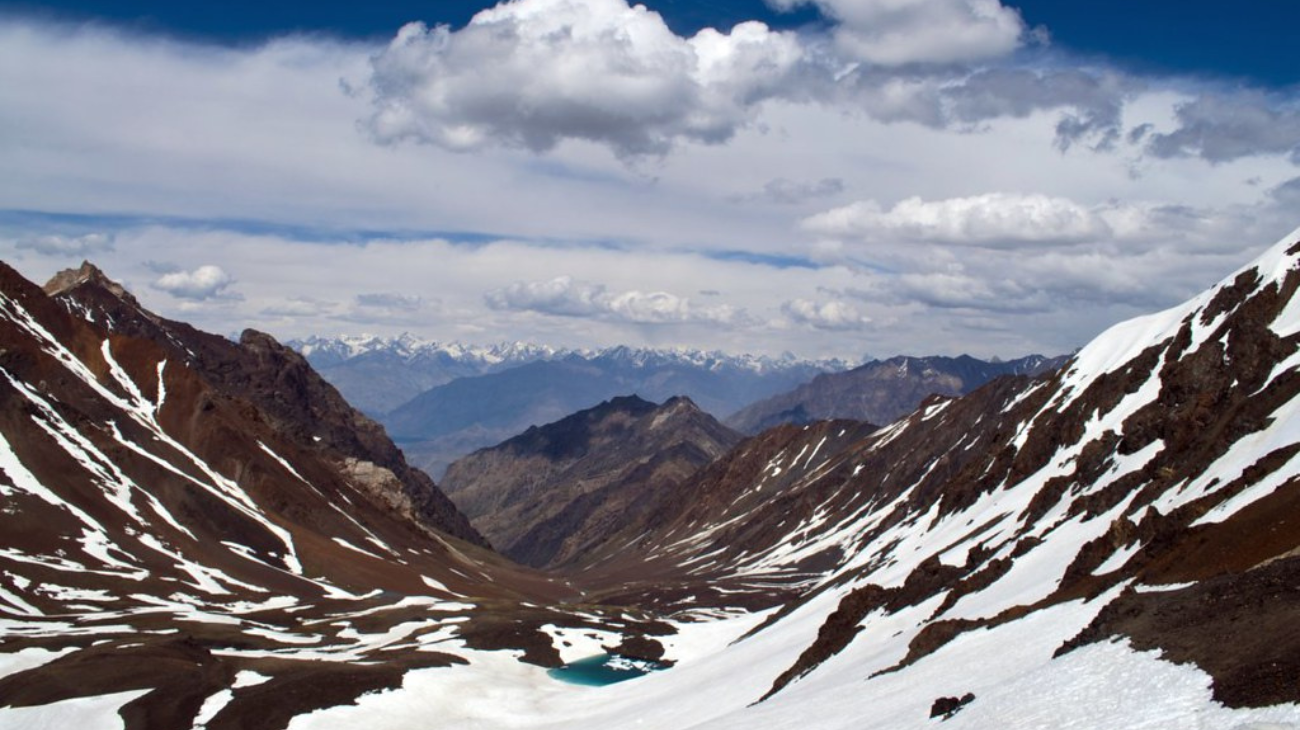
[(555, 494)]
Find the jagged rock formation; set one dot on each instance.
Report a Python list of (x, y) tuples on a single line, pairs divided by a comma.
[(881, 391), (552, 496)]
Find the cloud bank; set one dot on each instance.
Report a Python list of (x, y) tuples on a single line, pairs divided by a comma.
[(993, 219), (579, 169), (565, 297)]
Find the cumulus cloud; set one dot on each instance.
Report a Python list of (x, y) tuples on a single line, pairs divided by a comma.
[(531, 73), (990, 220), (1224, 127), (899, 32), (830, 315), (205, 282), (565, 297), (59, 245)]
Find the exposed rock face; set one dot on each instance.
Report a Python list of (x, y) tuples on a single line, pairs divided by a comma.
[(555, 494), (296, 401), (881, 391)]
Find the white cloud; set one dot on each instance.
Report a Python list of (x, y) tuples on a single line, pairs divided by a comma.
[(560, 296), (532, 73), (60, 245), (565, 297), (205, 282), (828, 315), (994, 219), (898, 32)]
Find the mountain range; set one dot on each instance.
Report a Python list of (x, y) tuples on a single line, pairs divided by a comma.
[(453, 399), (380, 374), (451, 420), (1113, 543)]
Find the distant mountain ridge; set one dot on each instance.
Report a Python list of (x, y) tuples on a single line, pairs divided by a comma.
[(380, 374), (882, 391), (451, 420)]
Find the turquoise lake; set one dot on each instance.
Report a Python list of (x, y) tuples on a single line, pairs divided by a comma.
[(603, 669)]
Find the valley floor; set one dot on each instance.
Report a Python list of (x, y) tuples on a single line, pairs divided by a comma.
[(718, 676)]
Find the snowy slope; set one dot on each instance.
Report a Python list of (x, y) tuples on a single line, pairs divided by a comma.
[(1046, 547)]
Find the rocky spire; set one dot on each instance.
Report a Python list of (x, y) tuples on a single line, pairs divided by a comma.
[(70, 279)]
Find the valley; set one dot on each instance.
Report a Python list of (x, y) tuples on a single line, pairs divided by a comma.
[(204, 533)]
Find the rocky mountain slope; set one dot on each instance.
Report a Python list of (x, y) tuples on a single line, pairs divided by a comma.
[(203, 532), (552, 496), (881, 391), (288, 392), (452, 420), (1113, 544)]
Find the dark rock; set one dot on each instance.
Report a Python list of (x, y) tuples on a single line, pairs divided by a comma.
[(946, 707)]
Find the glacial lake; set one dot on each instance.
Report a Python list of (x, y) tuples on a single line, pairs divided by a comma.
[(603, 669)]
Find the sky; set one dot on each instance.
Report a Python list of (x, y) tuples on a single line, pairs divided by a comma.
[(829, 178)]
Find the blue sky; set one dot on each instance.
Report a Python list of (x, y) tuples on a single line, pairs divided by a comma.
[(1191, 36), (830, 177)]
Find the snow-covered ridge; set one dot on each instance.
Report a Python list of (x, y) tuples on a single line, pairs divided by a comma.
[(411, 347)]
